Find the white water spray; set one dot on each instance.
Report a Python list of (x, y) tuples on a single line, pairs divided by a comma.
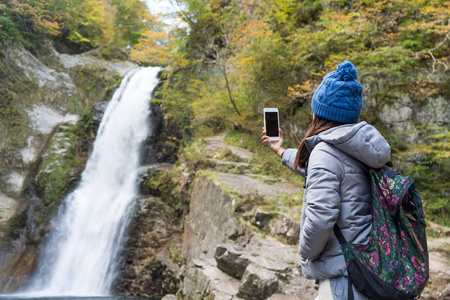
[(82, 254)]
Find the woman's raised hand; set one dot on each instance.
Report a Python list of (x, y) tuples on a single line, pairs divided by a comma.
[(275, 146)]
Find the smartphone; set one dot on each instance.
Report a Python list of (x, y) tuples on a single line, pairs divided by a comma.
[(272, 123)]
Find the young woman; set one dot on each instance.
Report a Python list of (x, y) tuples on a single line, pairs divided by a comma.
[(334, 157)]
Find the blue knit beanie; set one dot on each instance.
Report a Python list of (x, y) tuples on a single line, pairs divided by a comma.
[(339, 97)]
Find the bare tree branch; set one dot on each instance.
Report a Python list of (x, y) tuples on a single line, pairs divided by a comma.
[(435, 60)]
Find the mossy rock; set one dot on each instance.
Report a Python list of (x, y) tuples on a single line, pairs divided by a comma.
[(14, 228), (96, 82), (65, 159), (164, 184)]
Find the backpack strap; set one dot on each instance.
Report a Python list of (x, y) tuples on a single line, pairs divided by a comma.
[(350, 289), (340, 237), (391, 173)]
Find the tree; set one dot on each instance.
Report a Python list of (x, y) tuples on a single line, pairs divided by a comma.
[(131, 20)]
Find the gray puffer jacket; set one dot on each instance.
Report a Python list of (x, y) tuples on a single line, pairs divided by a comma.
[(337, 191)]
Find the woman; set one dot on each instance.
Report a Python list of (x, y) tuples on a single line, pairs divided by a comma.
[(334, 157)]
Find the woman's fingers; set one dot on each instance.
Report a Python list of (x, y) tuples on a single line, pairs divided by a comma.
[(264, 136)]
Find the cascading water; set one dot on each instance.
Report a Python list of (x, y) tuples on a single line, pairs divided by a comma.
[(82, 253)]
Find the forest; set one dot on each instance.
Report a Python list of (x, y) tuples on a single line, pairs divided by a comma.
[(236, 57), (230, 59)]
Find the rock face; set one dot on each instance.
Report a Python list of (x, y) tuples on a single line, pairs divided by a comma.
[(150, 268), (37, 71), (435, 112), (212, 209), (43, 122), (25, 228), (84, 59), (57, 92), (8, 208), (50, 143), (226, 260)]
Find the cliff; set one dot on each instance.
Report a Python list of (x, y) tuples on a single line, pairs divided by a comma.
[(223, 248), (56, 104)]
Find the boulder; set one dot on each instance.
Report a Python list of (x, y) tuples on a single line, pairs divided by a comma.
[(261, 219), (287, 228), (231, 260), (258, 283), (210, 221), (203, 280)]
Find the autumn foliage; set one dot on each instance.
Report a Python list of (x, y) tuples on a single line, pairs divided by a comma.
[(236, 57), (80, 24), (274, 53)]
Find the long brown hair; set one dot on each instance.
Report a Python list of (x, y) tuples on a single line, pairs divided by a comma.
[(317, 125)]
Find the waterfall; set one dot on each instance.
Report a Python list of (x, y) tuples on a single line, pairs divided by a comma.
[(81, 256)]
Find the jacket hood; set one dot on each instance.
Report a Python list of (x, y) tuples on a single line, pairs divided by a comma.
[(362, 141)]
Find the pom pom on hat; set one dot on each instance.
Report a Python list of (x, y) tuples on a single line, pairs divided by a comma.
[(346, 71), (339, 97)]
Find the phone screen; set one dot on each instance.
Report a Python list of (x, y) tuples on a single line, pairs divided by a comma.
[(272, 123)]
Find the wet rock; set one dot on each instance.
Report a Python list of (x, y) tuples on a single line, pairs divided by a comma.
[(17, 264), (258, 283), (99, 112), (152, 254)]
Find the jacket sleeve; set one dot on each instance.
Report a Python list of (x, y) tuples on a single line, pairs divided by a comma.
[(322, 195), (288, 158)]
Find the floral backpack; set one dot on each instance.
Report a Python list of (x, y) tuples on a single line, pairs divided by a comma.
[(394, 263)]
